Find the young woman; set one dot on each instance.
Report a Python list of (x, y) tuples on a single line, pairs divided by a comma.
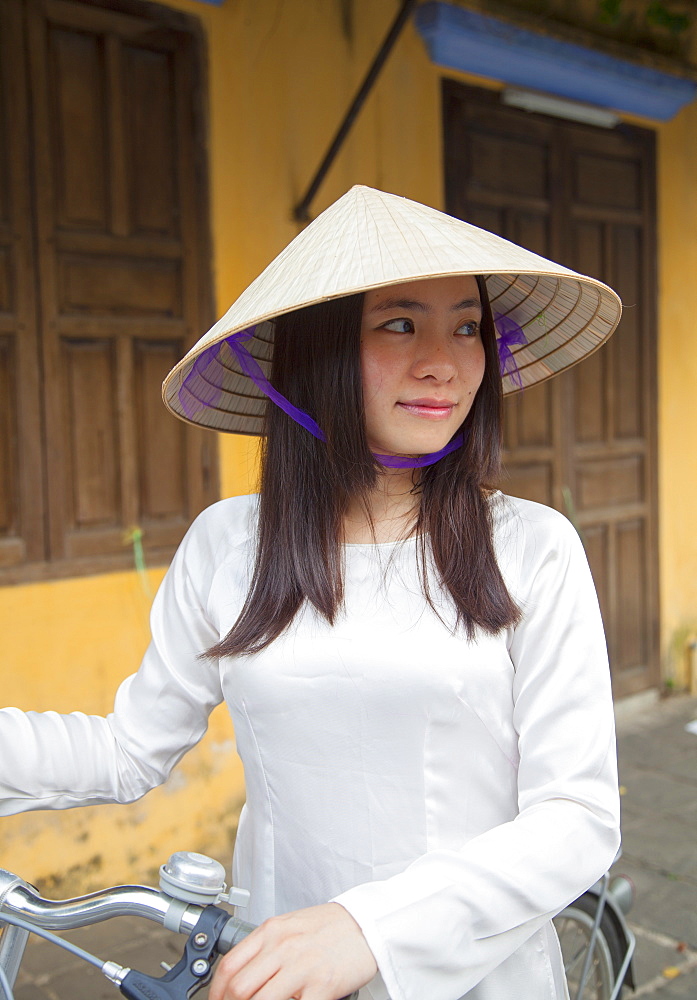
[(414, 663)]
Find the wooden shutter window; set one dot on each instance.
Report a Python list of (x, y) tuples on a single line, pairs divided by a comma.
[(118, 264)]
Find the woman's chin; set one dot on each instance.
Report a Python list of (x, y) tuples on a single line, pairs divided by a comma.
[(411, 448)]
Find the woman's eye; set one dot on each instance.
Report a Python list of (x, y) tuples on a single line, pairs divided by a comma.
[(470, 329), (399, 326)]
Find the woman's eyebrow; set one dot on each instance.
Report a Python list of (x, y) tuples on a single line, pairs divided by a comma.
[(468, 304), (386, 304), (416, 305)]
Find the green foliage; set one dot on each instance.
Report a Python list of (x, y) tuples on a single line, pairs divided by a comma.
[(610, 11), (660, 15), (662, 26), (664, 15)]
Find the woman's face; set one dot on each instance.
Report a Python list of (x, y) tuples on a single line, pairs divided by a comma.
[(422, 361)]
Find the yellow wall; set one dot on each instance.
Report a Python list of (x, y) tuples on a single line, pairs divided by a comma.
[(280, 78), (677, 371)]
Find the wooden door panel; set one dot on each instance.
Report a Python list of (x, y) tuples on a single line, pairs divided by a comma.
[(99, 285), (161, 443), (530, 230), (604, 180), (492, 155), (530, 414), (92, 432), (632, 643), (585, 442), (597, 545), (588, 239), (7, 304), (79, 148), (150, 141), (534, 481), (487, 217), (590, 399), (529, 444), (609, 482), (626, 351), (9, 506)]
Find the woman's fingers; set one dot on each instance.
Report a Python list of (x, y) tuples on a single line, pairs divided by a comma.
[(244, 979), (314, 954)]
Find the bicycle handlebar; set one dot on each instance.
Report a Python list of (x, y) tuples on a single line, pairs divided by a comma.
[(223, 931), (22, 900)]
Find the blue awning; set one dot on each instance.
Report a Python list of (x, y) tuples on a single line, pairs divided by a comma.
[(470, 42)]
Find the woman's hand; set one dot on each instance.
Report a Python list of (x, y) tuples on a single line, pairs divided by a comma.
[(314, 954)]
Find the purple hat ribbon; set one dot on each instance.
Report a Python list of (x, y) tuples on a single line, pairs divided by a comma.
[(252, 369), (509, 333), (208, 374)]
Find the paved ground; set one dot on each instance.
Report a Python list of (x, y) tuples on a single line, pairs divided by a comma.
[(658, 772)]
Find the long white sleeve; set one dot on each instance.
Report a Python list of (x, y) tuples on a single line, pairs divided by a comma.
[(453, 916), (59, 761)]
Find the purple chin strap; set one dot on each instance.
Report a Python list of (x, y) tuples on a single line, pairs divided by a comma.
[(252, 370), (509, 333)]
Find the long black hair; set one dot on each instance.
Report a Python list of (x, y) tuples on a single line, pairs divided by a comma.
[(307, 485)]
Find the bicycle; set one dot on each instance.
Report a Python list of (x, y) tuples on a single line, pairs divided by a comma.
[(596, 943)]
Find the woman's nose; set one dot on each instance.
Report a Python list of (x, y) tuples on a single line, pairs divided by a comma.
[(434, 358)]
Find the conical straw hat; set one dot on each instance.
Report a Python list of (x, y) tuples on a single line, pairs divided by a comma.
[(368, 239)]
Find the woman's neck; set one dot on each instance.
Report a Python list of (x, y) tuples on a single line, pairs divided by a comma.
[(389, 512)]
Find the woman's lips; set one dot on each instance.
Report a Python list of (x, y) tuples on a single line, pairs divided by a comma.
[(432, 409)]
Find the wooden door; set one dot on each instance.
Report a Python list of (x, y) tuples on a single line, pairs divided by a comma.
[(116, 262), (21, 522), (586, 441)]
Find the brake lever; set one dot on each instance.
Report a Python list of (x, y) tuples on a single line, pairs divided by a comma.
[(192, 972)]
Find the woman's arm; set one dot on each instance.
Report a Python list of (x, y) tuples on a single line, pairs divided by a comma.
[(59, 761)]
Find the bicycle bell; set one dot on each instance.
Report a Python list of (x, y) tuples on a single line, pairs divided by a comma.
[(196, 878)]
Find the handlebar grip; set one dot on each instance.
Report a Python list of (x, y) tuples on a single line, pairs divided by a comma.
[(234, 931)]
